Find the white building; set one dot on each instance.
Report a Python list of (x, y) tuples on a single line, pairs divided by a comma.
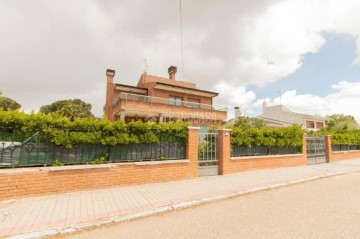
[(280, 116)]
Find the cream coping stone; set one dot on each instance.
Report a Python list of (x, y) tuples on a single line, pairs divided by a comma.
[(84, 167), (266, 156)]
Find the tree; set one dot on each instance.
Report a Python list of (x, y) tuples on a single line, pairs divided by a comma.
[(72, 109), (7, 103), (341, 122), (247, 122)]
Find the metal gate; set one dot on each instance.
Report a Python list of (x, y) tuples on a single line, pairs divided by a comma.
[(316, 149), (209, 154)]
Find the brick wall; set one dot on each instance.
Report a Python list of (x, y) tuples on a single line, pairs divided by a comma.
[(334, 156), (45, 180), (343, 155), (239, 164), (36, 181)]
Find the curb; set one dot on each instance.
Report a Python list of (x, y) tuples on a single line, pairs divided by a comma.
[(173, 207)]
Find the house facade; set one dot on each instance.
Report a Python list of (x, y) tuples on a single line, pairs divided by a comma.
[(161, 99), (280, 116)]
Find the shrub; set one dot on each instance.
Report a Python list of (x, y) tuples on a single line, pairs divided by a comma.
[(266, 136), (61, 131)]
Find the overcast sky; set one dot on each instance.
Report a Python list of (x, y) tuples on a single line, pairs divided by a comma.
[(309, 50)]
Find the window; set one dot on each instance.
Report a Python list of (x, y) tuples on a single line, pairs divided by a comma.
[(319, 125), (193, 103), (310, 124), (175, 100)]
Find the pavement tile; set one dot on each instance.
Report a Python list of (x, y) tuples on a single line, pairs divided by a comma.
[(66, 212)]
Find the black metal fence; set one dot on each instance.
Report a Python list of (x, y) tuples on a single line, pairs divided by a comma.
[(258, 150), (343, 147), (34, 151), (145, 152)]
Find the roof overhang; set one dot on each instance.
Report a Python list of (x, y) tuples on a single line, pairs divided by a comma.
[(314, 118), (185, 90), (274, 121), (131, 89)]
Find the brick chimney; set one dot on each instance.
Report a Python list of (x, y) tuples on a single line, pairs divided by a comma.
[(265, 105), (110, 76), (172, 72), (110, 93)]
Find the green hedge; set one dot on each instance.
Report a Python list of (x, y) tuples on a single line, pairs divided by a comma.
[(270, 137), (342, 138), (62, 131)]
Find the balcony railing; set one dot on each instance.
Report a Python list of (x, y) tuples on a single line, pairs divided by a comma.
[(164, 101)]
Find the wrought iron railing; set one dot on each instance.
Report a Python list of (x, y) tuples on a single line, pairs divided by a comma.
[(164, 101), (258, 150), (35, 151), (209, 149), (343, 147)]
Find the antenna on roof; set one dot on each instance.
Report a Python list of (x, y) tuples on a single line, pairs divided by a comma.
[(182, 44), (145, 65)]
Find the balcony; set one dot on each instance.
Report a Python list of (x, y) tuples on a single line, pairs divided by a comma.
[(163, 101), (142, 106)]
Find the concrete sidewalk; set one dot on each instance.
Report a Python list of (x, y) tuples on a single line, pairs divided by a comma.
[(67, 212)]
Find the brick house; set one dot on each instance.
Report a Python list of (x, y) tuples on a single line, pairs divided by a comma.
[(161, 100)]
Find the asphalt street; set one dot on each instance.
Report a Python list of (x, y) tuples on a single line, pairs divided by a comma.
[(325, 208)]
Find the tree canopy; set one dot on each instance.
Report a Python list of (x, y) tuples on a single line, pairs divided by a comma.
[(341, 122), (8, 104), (71, 108), (247, 122)]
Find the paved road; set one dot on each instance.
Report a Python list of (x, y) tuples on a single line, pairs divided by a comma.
[(325, 208)]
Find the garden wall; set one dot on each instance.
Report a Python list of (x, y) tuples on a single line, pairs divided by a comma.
[(35, 181), (24, 182), (230, 164), (240, 164), (343, 155)]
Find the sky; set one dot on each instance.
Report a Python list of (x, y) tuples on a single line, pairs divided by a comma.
[(307, 51)]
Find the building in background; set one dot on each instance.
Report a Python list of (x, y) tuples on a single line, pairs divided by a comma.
[(160, 99), (280, 116), (237, 114)]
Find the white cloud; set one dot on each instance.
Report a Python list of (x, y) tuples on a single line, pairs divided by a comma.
[(344, 100), (53, 50), (238, 96)]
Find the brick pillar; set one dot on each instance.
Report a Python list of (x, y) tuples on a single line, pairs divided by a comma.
[(304, 148), (192, 149), (225, 147), (328, 148)]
